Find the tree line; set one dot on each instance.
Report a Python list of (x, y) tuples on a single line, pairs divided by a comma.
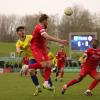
[(81, 21)]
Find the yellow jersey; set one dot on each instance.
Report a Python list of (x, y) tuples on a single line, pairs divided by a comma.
[(25, 46), (51, 55), (55, 61)]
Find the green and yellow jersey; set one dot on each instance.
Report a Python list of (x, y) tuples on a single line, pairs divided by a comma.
[(51, 55), (25, 46)]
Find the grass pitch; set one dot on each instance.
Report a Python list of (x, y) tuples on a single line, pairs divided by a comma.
[(14, 87)]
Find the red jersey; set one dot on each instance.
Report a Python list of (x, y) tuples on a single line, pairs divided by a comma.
[(61, 56), (38, 41), (25, 60), (93, 58)]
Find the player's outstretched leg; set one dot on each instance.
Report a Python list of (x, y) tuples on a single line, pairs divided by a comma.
[(94, 74), (47, 73), (62, 74), (72, 82), (34, 78), (50, 82), (92, 86), (52, 88), (35, 82), (57, 74)]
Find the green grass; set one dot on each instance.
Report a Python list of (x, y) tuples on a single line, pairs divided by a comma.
[(6, 48), (14, 87)]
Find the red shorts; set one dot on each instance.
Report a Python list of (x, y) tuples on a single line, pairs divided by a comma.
[(59, 69), (40, 55), (60, 64), (92, 72)]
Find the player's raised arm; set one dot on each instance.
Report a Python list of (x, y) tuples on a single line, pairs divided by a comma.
[(51, 38), (42, 30)]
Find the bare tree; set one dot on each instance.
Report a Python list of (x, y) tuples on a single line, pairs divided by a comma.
[(7, 28), (29, 22), (80, 21)]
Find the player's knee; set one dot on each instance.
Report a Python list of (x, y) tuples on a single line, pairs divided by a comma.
[(62, 70), (97, 78), (46, 64), (43, 64), (49, 64), (79, 79)]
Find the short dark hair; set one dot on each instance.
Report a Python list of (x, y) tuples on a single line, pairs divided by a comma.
[(43, 17), (20, 27)]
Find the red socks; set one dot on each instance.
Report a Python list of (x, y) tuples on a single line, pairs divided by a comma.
[(93, 84), (47, 74), (72, 82), (62, 74), (47, 71)]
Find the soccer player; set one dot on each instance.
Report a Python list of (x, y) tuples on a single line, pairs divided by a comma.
[(50, 54), (23, 46), (61, 59), (39, 48), (51, 57), (90, 61)]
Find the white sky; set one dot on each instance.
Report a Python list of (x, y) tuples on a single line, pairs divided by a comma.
[(23, 7)]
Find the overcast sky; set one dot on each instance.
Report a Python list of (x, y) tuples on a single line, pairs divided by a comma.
[(23, 7)]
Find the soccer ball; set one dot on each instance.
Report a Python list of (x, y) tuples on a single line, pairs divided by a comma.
[(68, 11)]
